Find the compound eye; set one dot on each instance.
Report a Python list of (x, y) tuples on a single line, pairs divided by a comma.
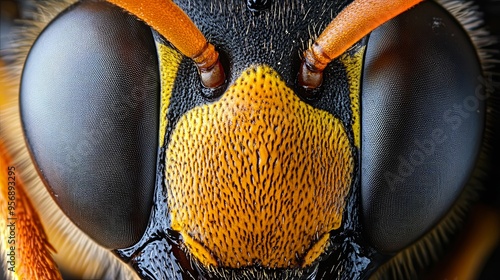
[(89, 107), (422, 121)]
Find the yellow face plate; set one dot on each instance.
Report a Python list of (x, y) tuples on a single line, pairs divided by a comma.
[(169, 63), (354, 65), (257, 177)]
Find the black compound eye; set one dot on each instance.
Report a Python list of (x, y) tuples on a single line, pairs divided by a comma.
[(422, 123), (89, 107)]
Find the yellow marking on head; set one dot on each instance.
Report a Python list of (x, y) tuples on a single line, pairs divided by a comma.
[(316, 250), (257, 176), (198, 250), (169, 63), (354, 66)]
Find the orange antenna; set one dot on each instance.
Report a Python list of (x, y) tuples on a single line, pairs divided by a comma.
[(173, 24), (353, 23)]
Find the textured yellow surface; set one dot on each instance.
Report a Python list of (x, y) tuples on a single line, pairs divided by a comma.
[(257, 177), (354, 67), (169, 63)]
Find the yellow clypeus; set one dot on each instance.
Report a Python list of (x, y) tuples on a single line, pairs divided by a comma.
[(258, 176)]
